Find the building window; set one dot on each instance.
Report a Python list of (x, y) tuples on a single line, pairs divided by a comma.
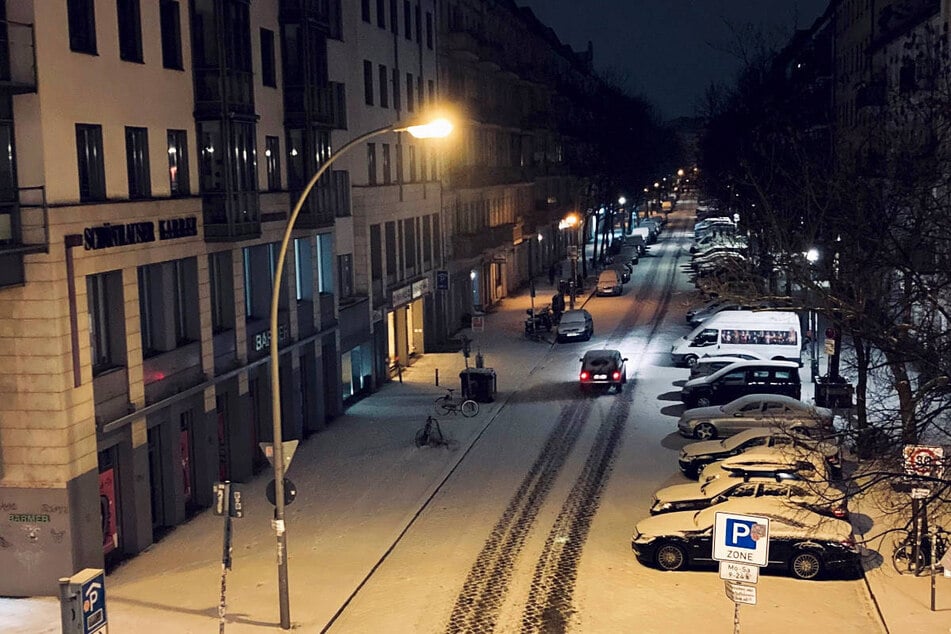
[(268, 72), (221, 283), (429, 30), (92, 173), (412, 163), (392, 272), (386, 164), (399, 163), (303, 271), (171, 34), (381, 13), (130, 30), (418, 23), (407, 20), (368, 82), (419, 91), (384, 93), (409, 244), (345, 271), (325, 254), (137, 162), (427, 242), (394, 17), (432, 91), (178, 163), (168, 300), (82, 25), (409, 92), (106, 326), (371, 163), (272, 156), (365, 10), (396, 89)]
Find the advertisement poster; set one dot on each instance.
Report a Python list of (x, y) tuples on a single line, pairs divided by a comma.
[(108, 509)]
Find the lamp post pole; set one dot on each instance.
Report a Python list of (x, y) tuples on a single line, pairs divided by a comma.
[(280, 528)]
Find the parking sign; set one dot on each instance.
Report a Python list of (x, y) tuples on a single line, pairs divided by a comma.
[(741, 538)]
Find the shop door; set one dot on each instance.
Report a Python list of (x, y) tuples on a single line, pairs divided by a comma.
[(157, 482), (186, 437), (415, 320), (109, 503)]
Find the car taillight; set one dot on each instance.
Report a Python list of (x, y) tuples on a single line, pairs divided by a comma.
[(849, 543), (616, 375), (584, 376), (841, 512)]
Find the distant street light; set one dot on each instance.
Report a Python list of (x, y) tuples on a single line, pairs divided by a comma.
[(433, 129)]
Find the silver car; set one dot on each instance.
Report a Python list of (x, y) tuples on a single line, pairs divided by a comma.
[(754, 410), (575, 325)]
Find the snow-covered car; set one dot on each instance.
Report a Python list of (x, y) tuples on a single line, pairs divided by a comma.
[(755, 410), (779, 462), (802, 543), (697, 455), (705, 366), (821, 497)]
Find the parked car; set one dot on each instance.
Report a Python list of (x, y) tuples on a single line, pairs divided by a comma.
[(802, 543), (603, 368), (624, 269), (575, 324), (609, 283), (697, 455), (781, 462), (705, 366), (821, 497), (755, 410), (769, 334), (700, 316), (740, 379)]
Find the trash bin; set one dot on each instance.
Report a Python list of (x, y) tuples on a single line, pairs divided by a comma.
[(479, 384), (833, 393)]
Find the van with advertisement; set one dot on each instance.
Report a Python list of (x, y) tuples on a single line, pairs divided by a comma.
[(762, 334)]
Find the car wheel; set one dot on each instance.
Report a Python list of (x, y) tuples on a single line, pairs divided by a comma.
[(671, 557), (703, 401), (805, 565), (705, 431), (690, 360)]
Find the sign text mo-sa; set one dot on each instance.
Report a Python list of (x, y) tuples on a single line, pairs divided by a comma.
[(741, 538)]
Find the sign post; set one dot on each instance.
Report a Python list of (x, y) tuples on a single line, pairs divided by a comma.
[(741, 545), (82, 601), (228, 505)]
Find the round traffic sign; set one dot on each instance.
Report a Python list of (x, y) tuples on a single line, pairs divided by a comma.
[(290, 492), (922, 461)]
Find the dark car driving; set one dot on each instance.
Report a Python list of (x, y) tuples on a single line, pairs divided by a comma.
[(603, 368)]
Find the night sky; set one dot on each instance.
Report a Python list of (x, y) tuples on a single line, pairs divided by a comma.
[(669, 51)]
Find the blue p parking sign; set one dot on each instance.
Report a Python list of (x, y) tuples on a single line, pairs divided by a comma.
[(741, 538)]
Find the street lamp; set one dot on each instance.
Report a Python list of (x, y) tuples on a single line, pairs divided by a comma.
[(436, 128)]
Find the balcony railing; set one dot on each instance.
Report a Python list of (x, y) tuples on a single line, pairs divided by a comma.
[(471, 245), (17, 58)]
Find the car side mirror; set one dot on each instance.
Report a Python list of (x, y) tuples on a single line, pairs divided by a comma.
[(581, 360), (624, 359)]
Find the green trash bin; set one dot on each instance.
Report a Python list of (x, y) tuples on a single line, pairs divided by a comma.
[(479, 384)]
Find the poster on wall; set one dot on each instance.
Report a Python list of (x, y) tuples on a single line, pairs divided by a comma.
[(108, 509)]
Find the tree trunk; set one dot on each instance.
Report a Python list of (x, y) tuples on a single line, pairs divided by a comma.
[(906, 399)]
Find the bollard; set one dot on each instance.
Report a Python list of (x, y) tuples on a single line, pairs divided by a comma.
[(437, 377)]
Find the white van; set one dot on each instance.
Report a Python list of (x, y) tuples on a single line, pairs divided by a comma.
[(764, 334)]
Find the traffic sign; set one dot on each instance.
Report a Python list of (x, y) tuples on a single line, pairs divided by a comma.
[(925, 461), (739, 593), (290, 492), (442, 280), (741, 538), (290, 446), (732, 571), (478, 323), (93, 596)]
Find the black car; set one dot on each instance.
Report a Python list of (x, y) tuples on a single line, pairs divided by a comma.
[(742, 378), (603, 368), (801, 542)]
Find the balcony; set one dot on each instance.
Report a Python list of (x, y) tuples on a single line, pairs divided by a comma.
[(471, 245), (329, 199), (24, 229), (328, 318), (325, 105), (461, 44), (231, 217), (17, 58)]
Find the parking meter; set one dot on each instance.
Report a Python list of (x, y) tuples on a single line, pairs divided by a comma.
[(82, 600)]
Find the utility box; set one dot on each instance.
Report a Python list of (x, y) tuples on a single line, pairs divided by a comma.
[(82, 602), (479, 384)]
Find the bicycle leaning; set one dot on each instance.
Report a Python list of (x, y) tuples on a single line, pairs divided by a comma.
[(431, 434), (910, 558), (445, 405)]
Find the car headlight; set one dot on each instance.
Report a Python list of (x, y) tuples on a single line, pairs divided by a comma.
[(642, 539), (666, 506)]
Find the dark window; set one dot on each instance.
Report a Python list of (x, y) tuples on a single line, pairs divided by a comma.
[(168, 305), (409, 243), (390, 235), (345, 271), (381, 13), (376, 254), (371, 163), (419, 91), (412, 163), (396, 89), (429, 30), (171, 34), (432, 91), (394, 17), (399, 163), (409, 92), (268, 72), (106, 328), (407, 20), (221, 285), (384, 93), (178, 163), (386, 164), (368, 82), (130, 30), (365, 10), (82, 25), (272, 155), (92, 174), (427, 241), (418, 21), (137, 162)]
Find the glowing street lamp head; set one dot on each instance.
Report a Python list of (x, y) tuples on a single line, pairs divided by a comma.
[(621, 200), (435, 129)]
